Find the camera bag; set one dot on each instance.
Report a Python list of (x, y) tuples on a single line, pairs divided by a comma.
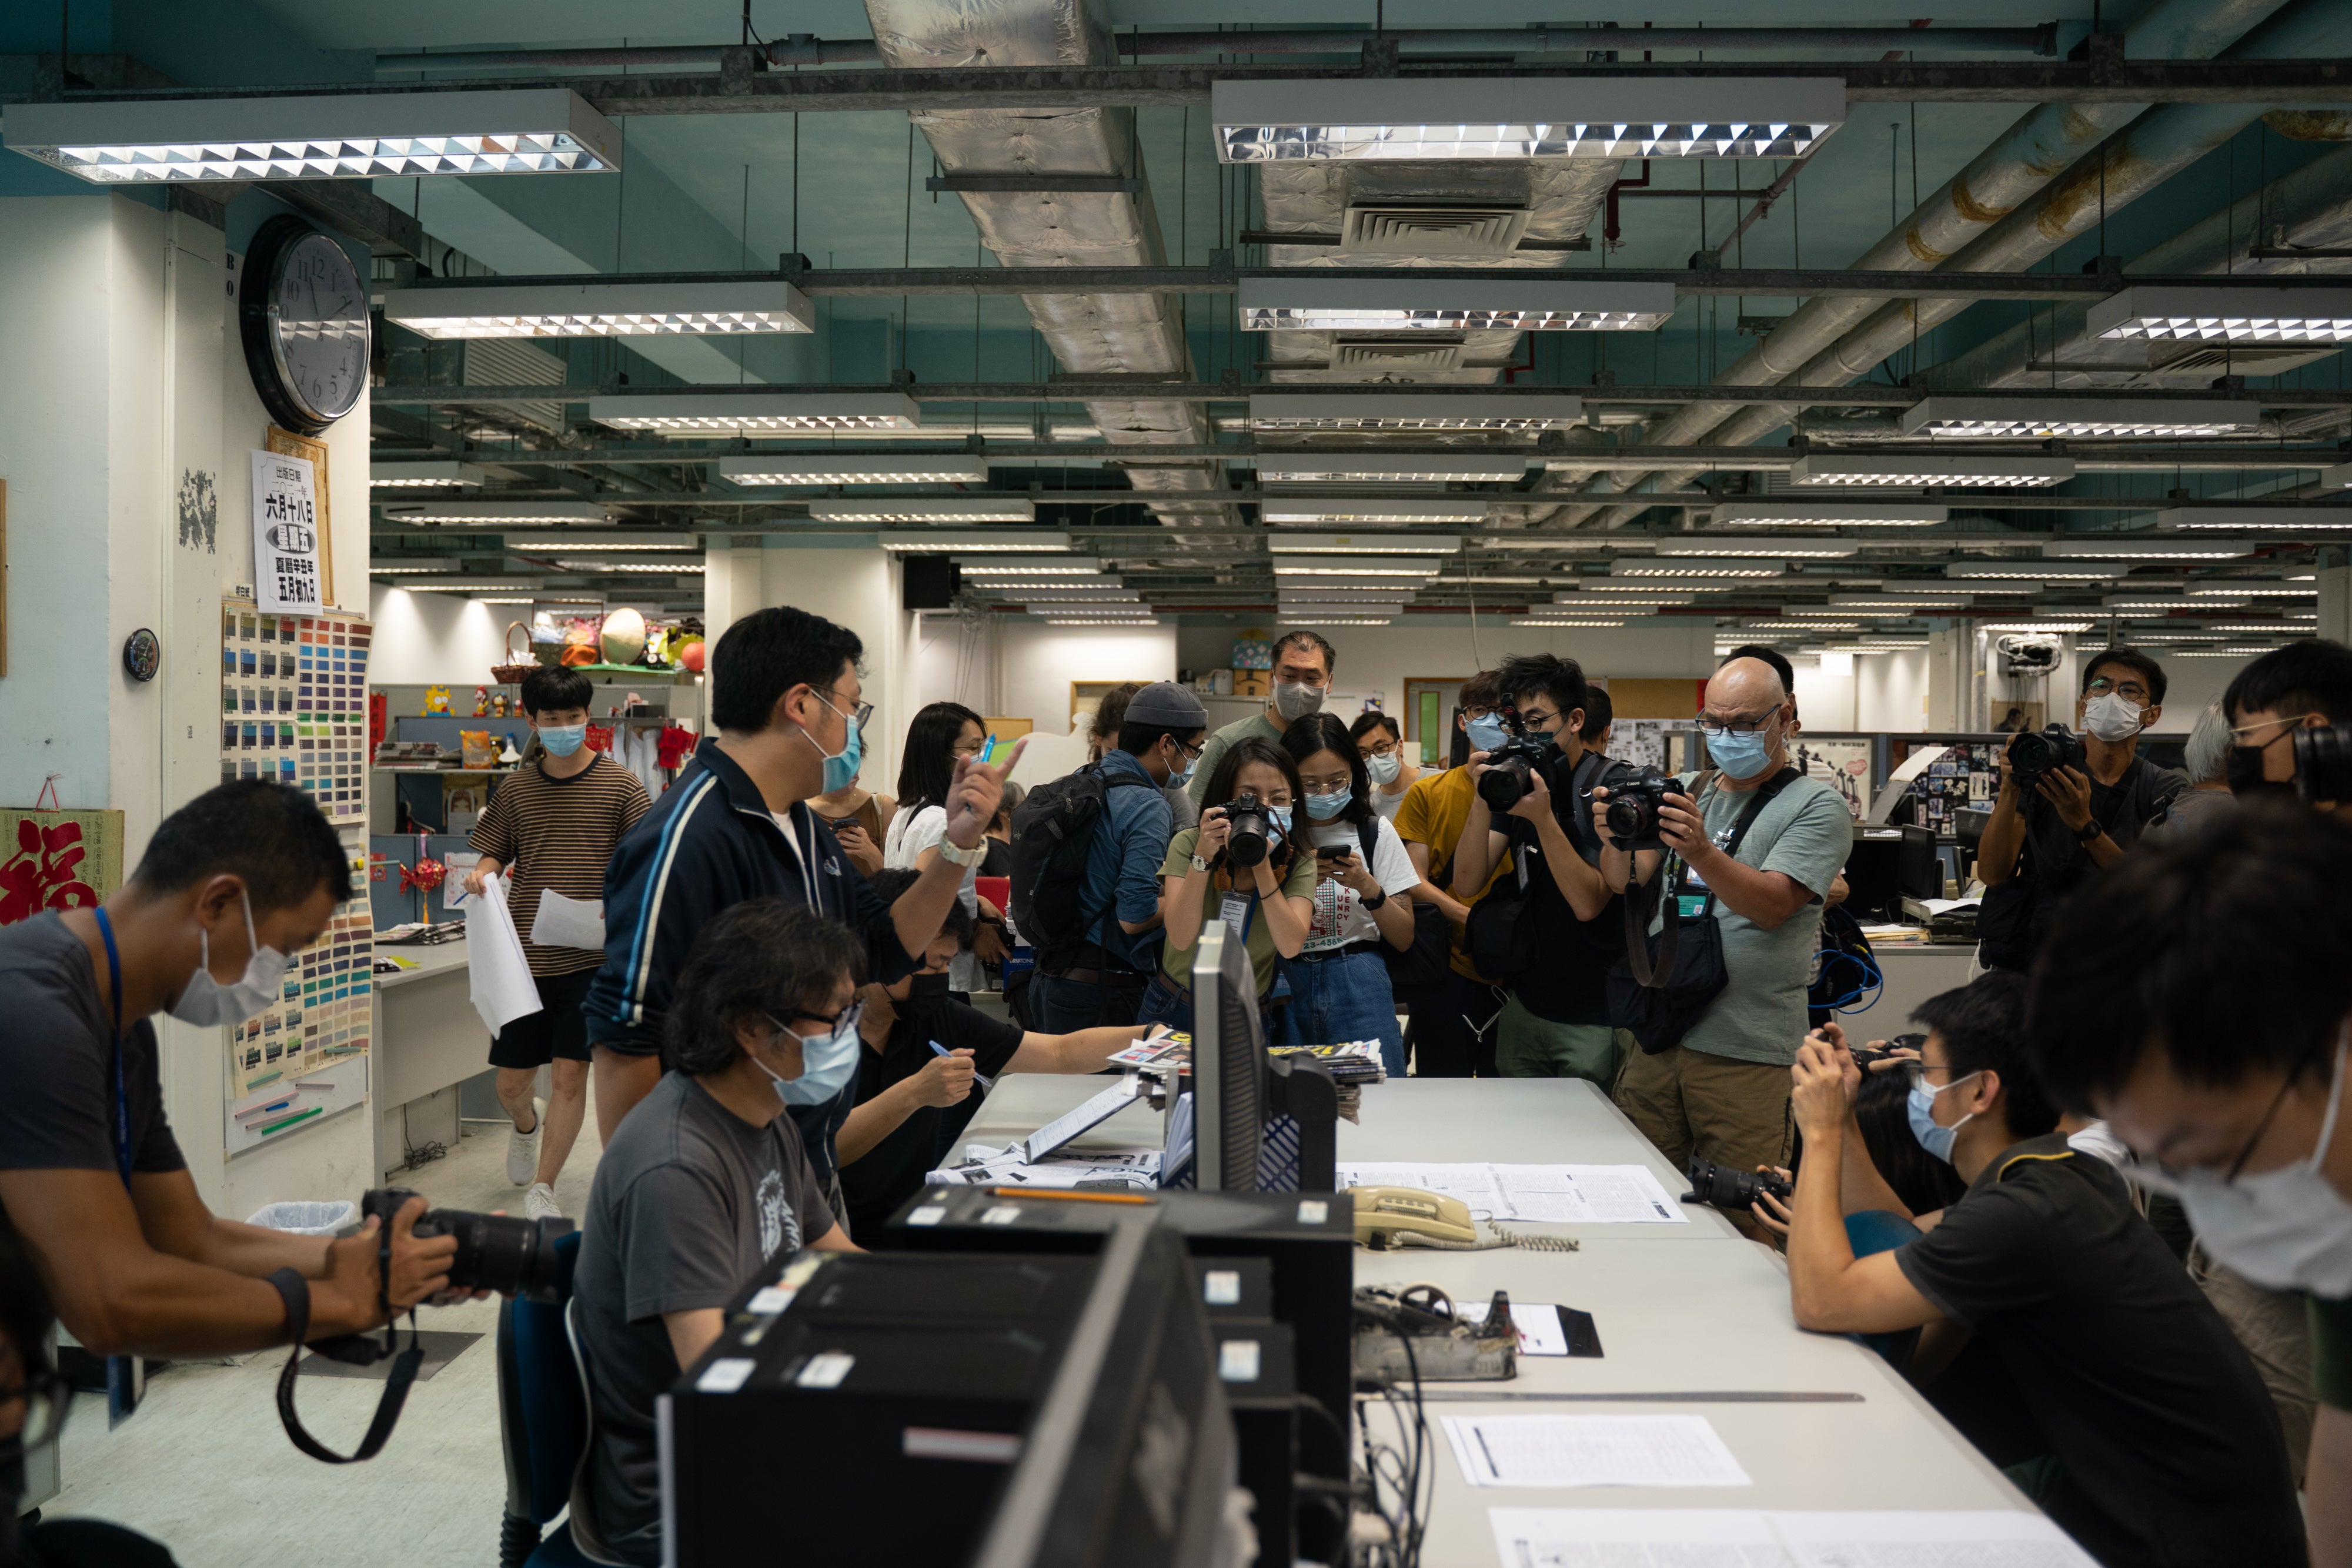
[(1501, 941), (1664, 984)]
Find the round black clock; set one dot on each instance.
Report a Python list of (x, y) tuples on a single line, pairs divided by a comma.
[(302, 311), (142, 654)]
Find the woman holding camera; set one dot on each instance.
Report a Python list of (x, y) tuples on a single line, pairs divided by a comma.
[(1241, 865), (1339, 982)]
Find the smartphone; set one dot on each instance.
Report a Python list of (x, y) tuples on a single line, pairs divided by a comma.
[(1332, 852)]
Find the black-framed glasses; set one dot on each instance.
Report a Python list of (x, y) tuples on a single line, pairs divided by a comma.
[(856, 715), (1717, 729), (847, 1018), (47, 1397)]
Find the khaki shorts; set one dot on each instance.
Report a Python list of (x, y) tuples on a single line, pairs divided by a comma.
[(1690, 1103)]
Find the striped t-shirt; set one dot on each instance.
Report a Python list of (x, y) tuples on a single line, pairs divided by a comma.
[(559, 833)]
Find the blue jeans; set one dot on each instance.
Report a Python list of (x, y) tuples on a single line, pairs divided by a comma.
[(1341, 996), (1066, 1006), (1164, 1004)]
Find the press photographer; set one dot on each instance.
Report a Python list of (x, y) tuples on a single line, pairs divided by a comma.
[(2288, 713), (1754, 847), (2070, 804), (1552, 937)]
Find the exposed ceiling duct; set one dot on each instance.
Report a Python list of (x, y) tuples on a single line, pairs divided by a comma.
[(2043, 143), (1126, 334)]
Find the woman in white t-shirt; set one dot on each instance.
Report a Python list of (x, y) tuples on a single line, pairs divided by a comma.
[(1380, 743), (1339, 983), (940, 736)]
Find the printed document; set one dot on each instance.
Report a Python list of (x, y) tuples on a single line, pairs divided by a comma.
[(1741, 1538), (1552, 1195), (1592, 1452)]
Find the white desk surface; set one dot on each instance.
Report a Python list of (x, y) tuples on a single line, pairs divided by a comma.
[(438, 959), (1709, 1317)]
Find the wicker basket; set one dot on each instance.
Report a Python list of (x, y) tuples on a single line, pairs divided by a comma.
[(512, 672)]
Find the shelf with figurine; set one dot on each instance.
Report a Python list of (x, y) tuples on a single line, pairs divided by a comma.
[(621, 642)]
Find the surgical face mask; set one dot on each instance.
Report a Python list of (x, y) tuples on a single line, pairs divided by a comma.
[(1384, 767), (562, 739), (1323, 808), (206, 1002), (827, 1062), (926, 989), (841, 768), (1180, 774), (1296, 699), (1921, 1107), (1740, 756), (1279, 816), (2242, 769), (1487, 733), (2111, 716), (2288, 1230)]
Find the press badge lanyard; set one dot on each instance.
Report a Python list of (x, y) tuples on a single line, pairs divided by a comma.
[(122, 1373)]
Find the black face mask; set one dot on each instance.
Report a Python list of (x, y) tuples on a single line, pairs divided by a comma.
[(2242, 768), (927, 990)]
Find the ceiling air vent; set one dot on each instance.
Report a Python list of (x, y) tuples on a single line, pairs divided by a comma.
[(2244, 359), (1375, 356), (1394, 230)]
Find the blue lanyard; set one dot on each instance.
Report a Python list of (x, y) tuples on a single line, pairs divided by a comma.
[(121, 1098)]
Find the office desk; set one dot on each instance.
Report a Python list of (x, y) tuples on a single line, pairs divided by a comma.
[(427, 1038), (1708, 1316)]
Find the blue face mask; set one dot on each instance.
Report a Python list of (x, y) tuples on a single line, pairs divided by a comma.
[(1180, 776), (841, 768), (1487, 733), (562, 739), (1279, 816), (1740, 756), (1323, 808), (1921, 1108), (827, 1063)]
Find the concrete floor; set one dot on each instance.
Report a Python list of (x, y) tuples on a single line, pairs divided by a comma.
[(204, 1468)]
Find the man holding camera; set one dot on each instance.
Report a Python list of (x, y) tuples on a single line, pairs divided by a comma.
[(1556, 1023), (1303, 663), (1720, 1090), (2059, 1331), (2053, 827), (2273, 707), (90, 1173)]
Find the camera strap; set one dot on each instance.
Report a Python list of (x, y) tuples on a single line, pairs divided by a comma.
[(356, 1350), (1637, 947)]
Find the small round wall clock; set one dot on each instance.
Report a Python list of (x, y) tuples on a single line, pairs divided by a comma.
[(142, 654)]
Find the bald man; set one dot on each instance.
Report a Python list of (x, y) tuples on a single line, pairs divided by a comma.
[(1721, 1092)]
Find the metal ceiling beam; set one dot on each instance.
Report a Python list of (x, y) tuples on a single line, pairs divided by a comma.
[(1019, 87), (1983, 500)]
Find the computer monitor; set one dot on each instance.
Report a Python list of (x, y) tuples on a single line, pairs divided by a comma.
[(1888, 864), (1229, 1067)]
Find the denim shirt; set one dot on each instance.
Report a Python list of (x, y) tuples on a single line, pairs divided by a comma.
[(1123, 863)]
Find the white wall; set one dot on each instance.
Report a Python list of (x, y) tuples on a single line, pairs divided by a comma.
[(1038, 663), (435, 639), (1891, 692)]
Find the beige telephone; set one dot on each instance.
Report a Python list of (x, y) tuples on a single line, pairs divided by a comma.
[(1389, 1217)]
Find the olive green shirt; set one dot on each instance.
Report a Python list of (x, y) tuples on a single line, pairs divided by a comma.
[(1299, 882)]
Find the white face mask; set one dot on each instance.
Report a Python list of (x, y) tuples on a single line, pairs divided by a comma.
[(2288, 1230), (2111, 717), (1385, 766), (206, 1002)]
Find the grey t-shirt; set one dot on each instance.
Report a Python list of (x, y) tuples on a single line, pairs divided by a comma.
[(1222, 741), (1805, 833), (689, 1199), (56, 1062)]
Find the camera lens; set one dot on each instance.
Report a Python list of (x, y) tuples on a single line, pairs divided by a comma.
[(498, 1252), (1505, 784), (2322, 763)]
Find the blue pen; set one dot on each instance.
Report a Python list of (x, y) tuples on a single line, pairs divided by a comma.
[(979, 1078)]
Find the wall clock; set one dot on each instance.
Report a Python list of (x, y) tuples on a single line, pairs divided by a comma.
[(302, 311), (142, 654)]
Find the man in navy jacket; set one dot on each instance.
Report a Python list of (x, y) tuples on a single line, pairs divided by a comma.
[(785, 704)]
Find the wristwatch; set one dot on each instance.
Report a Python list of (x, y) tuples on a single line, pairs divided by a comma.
[(971, 857), (1376, 900), (2089, 831), (1200, 863)]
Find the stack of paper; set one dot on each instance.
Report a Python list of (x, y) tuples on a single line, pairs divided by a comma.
[(1743, 1538), (1592, 1452), (987, 1166), (1554, 1195)]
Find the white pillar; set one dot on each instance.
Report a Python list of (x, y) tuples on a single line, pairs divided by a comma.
[(2335, 593)]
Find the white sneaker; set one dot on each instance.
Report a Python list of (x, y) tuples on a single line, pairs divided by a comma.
[(539, 1202), (522, 1148)]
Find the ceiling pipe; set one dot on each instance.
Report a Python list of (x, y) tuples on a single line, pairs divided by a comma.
[(2044, 141)]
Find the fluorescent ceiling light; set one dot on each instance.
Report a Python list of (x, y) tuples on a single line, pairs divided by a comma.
[(1929, 468), (1587, 621), (982, 565), (1319, 589), (1510, 301), (1099, 621), (1365, 544), (683, 567), (1926, 599), (1353, 619), (412, 566), (1384, 510), (1106, 591), (888, 468), (1411, 411), (2286, 627), (2010, 416), (2226, 314), (755, 412), (1562, 544), (1814, 549), (996, 543), (1489, 119), (467, 584), (925, 509), (1801, 625), (2028, 570), (383, 475), (506, 599), (2258, 588), (2034, 626), (325, 136), (1687, 566), (2246, 652), (2337, 478), (2098, 548), (1309, 607), (588, 308), (1354, 566), (1295, 467), (2143, 601), (2270, 520), (1486, 579), (495, 514), (1810, 514), (1836, 611), (619, 539), (1603, 585)]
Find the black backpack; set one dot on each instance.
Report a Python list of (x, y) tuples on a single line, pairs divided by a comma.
[(1053, 829)]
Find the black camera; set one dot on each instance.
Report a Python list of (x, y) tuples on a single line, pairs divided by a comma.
[(1722, 1186), (1508, 769), (1633, 802), (2322, 763), (494, 1252), (1253, 830), (2037, 752)]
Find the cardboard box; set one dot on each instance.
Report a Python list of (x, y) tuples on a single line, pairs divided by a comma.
[(1252, 684)]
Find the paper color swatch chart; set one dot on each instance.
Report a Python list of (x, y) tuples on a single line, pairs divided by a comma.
[(322, 1015), (294, 705)]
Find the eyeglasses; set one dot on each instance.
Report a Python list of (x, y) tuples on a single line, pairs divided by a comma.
[(2241, 731), (963, 747), (1380, 748), (856, 715), (47, 1396), (847, 1018), (1329, 784), (2131, 690), (1716, 730), (1535, 718), (2157, 1177)]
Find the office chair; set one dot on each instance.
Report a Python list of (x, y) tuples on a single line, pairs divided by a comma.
[(543, 1425)]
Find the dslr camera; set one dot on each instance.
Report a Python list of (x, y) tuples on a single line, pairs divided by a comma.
[(1633, 802), (2038, 752), (2322, 763), (1253, 830), (1511, 765), (494, 1252), (1721, 1186)]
